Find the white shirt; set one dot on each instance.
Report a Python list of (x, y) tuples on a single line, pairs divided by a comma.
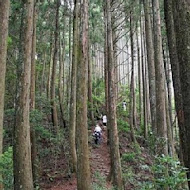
[(98, 129), (104, 119)]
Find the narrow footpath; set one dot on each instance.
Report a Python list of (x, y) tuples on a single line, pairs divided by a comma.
[(99, 162)]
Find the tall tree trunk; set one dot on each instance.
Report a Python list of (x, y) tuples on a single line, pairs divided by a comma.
[(61, 68), (22, 146), (145, 107), (160, 81), (4, 17), (106, 68), (175, 72), (50, 68), (83, 166), (53, 77), (132, 88), (70, 61), (32, 95), (72, 119), (182, 29), (139, 75), (90, 100), (112, 118), (151, 67)]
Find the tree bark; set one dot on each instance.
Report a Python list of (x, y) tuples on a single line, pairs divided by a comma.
[(4, 17), (112, 118), (32, 96), (72, 119), (83, 166), (168, 9), (22, 147), (55, 60), (182, 29), (151, 66), (132, 87), (160, 81)]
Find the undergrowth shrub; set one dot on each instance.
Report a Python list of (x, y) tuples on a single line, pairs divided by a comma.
[(123, 126), (100, 182), (6, 168), (167, 173)]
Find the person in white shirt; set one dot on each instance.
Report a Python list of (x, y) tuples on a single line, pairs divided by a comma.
[(97, 134), (98, 129), (124, 106), (104, 120)]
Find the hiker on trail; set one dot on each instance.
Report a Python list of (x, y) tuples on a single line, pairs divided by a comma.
[(104, 120), (124, 104), (97, 134)]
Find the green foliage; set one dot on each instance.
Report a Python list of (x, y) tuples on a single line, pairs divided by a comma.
[(168, 173), (100, 183), (123, 126), (6, 168), (129, 157)]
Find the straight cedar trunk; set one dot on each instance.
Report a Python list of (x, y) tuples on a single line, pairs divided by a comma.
[(112, 118), (32, 95), (48, 89), (55, 60), (70, 62), (171, 149), (72, 115), (182, 28), (145, 107), (106, 66), (168, 10), (160, 82), (61, 76), (22, 147), (132, 87), (4, 17), (61, 68), (83, 166), (139, 75), (151, 66), (90, 99)]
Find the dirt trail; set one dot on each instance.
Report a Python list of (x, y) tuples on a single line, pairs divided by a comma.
[(99, 161)]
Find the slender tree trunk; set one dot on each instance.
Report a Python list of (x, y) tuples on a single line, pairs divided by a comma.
[(132, 88), (160, 81), (43, 75), (139, 76), (112, 118), (70, 62), (145, 123), (4, 17), (22, 147), (61, 68), (182, 29), (90, 100), (72, 119), (151, 67), (83, 166), (50, 68), (53, 77), (106, 68), (32, 96)]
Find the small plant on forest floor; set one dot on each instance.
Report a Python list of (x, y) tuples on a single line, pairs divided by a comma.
[(100, 182), (6, 168), (123, 125), (129, 177), (129, 157)]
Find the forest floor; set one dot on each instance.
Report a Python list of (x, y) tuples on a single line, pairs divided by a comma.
[(136, 162), (99, 163)]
